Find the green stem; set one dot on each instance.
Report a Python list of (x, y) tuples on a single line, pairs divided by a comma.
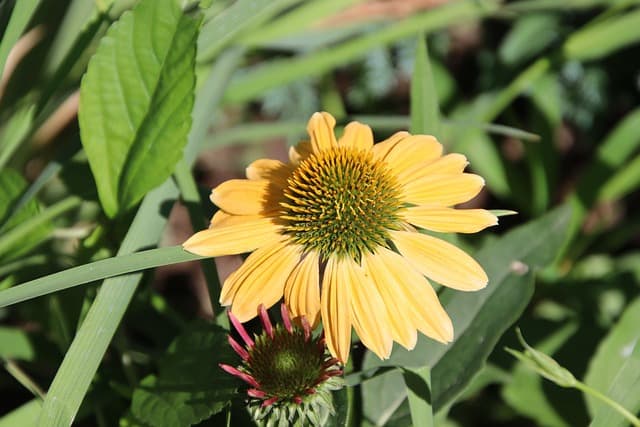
[(612, 403), (191, 198), (16, 372)]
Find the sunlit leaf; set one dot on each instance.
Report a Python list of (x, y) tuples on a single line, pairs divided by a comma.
[(136, 100)]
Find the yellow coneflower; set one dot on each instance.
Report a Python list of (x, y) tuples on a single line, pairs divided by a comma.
[(335, 231)]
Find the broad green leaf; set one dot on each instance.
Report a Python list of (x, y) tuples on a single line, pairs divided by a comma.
[(530, 35), (279, 72), (613, 352), (625, 391), (15, 344), (136, 100), (479, 318), (88, 347), (605, 37), (190, 386), (12, 185), (425, 113)]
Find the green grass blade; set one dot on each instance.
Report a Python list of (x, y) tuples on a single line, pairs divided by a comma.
[(20, 17), (11, 238), (232, 22), (425, 113), (625, 181), (92, 339), (279, 72), (605, 37), (94, 271), (296, 21)]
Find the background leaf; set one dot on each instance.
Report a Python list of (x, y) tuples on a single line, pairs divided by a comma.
[(606, 366), (136, 100), (190, 386)]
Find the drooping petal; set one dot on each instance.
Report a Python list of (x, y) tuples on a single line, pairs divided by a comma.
[(442, 190), (356, 135), (268, 169), (302, 288), (411, 151), (449, 164), (300, 152), (336, 310), (260, 279), (416, 298), (239, 234), (401, 322), (320, 128), (368, 311), (449, 220), (440, 261), (244, 197)]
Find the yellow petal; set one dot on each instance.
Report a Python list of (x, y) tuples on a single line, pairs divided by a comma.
[(336, 310), (411, 151), (421, 302), (300, 152), (356, 135), (260, 279), (440, 261), (233, 235), (442, 190), (449, 164), (368, 311), (268, 169), (320, 128), (245, 197), (401, 323), (381, 149), (302, 289), (449, 220)]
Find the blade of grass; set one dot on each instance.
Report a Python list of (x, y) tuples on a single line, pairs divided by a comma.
[(12, 237), (94, 271), (20, 17), (230, 23), (279, 72), (391, 123), (425, 113), (298, 20)]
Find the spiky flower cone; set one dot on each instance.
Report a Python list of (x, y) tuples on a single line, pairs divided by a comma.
[(289, 372)]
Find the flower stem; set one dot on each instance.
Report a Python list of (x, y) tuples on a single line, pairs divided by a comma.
[(612, 403)]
